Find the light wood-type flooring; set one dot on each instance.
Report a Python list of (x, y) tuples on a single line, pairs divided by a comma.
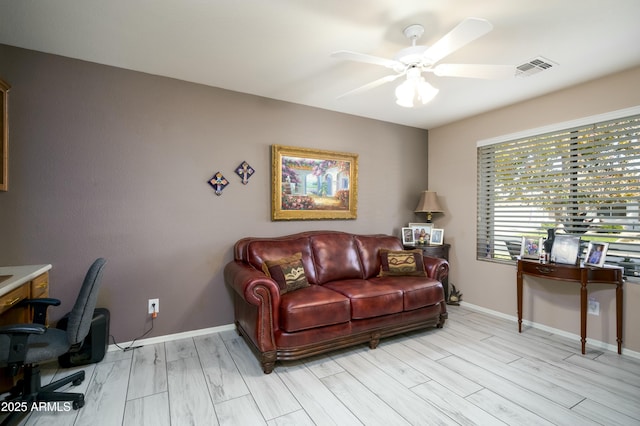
[(477, 370)]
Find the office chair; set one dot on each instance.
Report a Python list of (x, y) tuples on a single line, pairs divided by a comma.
[(27, 345)]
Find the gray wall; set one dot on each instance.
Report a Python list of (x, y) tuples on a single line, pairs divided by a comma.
[(114, 163)]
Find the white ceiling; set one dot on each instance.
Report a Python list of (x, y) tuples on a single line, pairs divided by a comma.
[(281, 49)]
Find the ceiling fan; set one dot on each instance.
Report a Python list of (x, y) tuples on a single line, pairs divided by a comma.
[(414, 60)]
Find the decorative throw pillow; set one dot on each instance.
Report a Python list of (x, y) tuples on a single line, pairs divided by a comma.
[(288, 272), (402, 262)]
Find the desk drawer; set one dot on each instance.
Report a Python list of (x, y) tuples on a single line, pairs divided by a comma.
[(40, 286), (557, 271), (12, 298)]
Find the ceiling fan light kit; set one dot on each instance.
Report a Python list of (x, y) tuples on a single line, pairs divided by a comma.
[(414, 60)]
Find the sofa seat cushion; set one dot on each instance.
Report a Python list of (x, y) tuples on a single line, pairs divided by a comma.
[(311, 307), (369, 299), (418, 292)]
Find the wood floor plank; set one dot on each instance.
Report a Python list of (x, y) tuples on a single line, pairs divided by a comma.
[(533, 401), (453, 381), (322, 366), (600, 368), (505, 410), (610, 392), (239, 411), (414, 409), (466, 350), (182, 348), (148, 372), (458, 408), (189, 399), (106, 394), (604, 414), (321, 404), (223, 378), (369, 409), (297, 418), (393, 365), (270, 394), (152, 410)]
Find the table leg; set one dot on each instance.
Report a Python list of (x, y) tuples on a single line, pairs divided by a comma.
[(619, 316), (519, 297), (583, 315)]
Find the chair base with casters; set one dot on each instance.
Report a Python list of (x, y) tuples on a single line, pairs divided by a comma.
[(25, 346)]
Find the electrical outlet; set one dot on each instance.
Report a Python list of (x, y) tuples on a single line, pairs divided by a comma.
[(155, 302), (593, 307)]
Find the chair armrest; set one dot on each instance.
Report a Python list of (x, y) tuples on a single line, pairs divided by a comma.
[(436, 268), (23, 329), (40, 308)]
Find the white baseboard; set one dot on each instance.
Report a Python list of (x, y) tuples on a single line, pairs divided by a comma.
[(591, 342), (170, 337)]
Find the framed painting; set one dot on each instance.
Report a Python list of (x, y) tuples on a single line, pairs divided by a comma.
[(4, 135), (310, 184)]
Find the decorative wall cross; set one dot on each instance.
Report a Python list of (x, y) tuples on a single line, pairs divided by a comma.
[(218, 182), (245, 171)]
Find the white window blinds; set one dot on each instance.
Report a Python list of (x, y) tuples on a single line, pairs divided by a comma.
[(584, 180)]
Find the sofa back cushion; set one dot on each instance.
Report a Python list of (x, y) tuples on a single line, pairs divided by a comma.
[(336, 257), (260, 250), (369, 247)]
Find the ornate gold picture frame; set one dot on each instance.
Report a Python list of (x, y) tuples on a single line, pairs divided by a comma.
[(4, 135), (310, 184)]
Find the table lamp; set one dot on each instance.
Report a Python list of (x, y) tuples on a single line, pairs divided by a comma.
[(428, 204)]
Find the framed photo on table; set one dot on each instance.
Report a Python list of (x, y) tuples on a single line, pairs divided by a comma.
[(565, 249), (596, 254), (437, 236), (407, 236), (421, 230), (530, 248)]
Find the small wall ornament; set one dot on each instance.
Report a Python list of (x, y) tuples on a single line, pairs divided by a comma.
[(245, 171), (218, 182)]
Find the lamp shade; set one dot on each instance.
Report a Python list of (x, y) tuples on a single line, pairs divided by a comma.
[(428, 203)]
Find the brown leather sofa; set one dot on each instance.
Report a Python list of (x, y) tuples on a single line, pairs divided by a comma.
[(345, 303)]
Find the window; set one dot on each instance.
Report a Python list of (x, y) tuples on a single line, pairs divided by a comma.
[(581, 178)]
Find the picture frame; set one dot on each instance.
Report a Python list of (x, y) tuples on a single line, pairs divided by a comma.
[(596, 254), (423, 229), (437, 237), (4, 135), (407, 236), (565, 249), (530, 247), (312, 184)]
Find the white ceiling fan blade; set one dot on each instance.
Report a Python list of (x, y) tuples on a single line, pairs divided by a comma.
[(490, 72), (464, 33), (375, 83), (369, 59)]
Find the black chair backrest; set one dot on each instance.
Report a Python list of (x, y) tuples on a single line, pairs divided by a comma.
[(81, 315)]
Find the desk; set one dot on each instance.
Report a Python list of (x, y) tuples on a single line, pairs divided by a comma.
[(580, 274)]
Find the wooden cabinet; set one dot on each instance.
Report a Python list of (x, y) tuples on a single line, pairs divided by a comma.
[(36, 288)]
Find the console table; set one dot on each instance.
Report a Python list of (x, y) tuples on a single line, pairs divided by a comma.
[(579, 274)]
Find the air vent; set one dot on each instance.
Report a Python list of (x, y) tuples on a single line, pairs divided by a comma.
[(534, 66)]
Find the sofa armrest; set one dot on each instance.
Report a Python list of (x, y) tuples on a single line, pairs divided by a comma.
[(256, 303), (252, 285), (436, 268)]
